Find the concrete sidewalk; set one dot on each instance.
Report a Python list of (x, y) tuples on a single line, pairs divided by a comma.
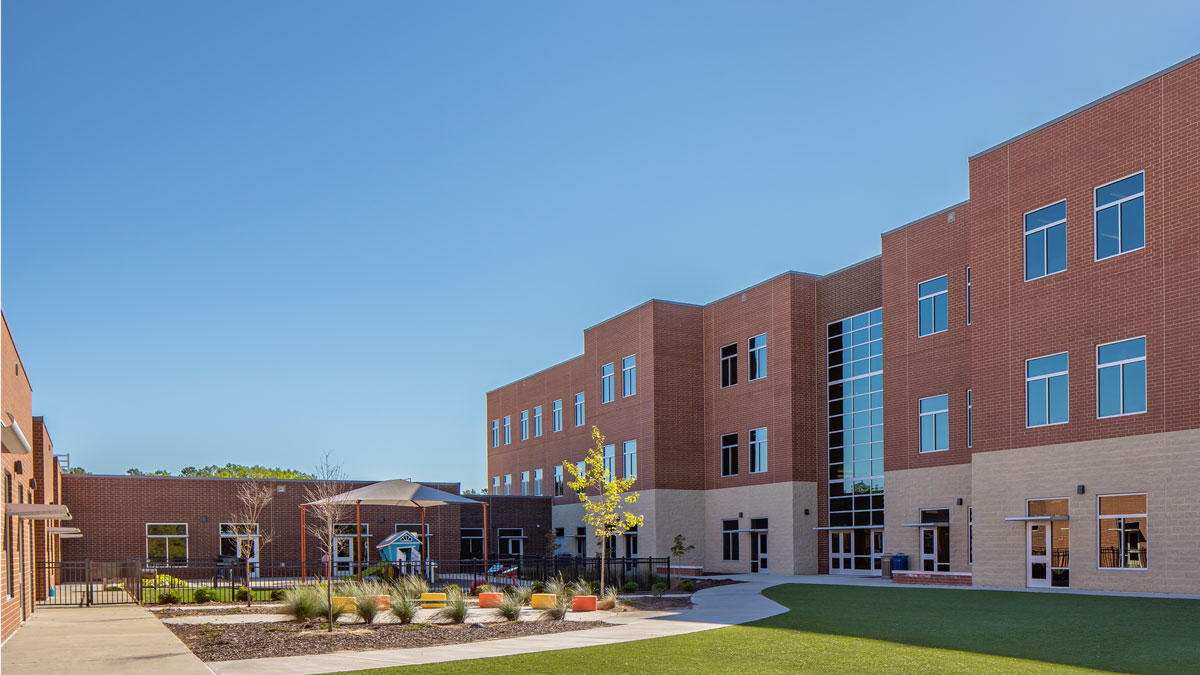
[(714, 608), (95, 641)]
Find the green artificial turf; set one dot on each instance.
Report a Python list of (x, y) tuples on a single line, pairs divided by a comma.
[(901, 630)]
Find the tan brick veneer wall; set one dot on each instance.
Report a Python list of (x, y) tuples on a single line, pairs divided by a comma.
[(1164, 466), (791, 540), (938, 487)]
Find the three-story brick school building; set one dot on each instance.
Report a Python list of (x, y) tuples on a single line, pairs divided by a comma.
[(1007, 394)]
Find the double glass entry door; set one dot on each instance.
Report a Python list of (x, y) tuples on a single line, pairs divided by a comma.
[(856, 551)]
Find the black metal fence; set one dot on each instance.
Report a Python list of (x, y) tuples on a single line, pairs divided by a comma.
[(135, 581)]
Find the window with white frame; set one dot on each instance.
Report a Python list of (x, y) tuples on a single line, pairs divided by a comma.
[(610, 462), (1121, 216), (968, 295), (471, 546), (935, 423), (524, 425), (511, 541), (1046, 390), (730, 538), (167, 544), (495, 485), (630, 451), (537, 482), (581, 469), (970, 419), (1121, 378), (524, 483), (756, 350), (508, 483), (495, 433), (537, 421), (729, 455), (1046, 241), (1122, 529), (558, 481), (579, 409), (507, 429), (758, 450), (729, 365), (629, 375), (557, 408), (932, 297), (233, 533), (606, 383)]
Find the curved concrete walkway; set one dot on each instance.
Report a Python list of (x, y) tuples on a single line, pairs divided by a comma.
[(713, 608)]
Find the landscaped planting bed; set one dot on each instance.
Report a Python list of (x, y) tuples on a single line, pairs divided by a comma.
[(228, 642)]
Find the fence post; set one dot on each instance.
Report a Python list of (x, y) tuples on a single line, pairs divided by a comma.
[(87, 579)]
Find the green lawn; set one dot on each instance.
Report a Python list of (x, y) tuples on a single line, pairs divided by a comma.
[(866, 629)]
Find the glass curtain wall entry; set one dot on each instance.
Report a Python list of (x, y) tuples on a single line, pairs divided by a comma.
[(1121, 216), (932, 297), (855, 384), (1121, 378), (1046, 390), (1046, 241)]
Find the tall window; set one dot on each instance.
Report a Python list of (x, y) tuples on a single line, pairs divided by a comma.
[(537, 482), (581, 467), (855, 390), (537, 421), (1046, 390), (968, 295), (629, 375), (630, 451), (729, 540), (524, 483), (166, 544), (558, 414), (1122, 529), (508, 483), (729, 365), (1121, 377), (610, 462), (1121, 216), (471, 546), (935, 423), (579, 409), (606, 383), (729, 455), (558, 481), (495, 433), (524, 425), (8, 535), (970, 419), (758, 450), (1046, 241), (931, 301), (495, 485), (756, 349), (507, 429)]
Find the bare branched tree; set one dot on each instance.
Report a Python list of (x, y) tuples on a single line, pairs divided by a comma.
[(325, 512), (247, 522)]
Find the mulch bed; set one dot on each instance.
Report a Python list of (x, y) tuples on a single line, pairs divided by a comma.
[(702, 583), (642, 604), (229, 642)]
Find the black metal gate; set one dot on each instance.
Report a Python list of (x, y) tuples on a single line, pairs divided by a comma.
[(82, 584)]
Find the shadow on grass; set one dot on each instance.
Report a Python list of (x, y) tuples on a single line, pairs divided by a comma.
[(1134, 635)]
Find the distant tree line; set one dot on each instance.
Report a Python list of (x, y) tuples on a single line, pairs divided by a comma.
[(230, 470)]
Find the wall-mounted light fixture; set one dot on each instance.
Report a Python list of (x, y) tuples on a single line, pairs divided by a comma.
[(1079, 489), (959, 502), (806, 512), (204, 519)]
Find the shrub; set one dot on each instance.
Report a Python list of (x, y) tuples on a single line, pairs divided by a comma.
[(630, 587), (687, 586), (658, 589), (164, 581), (242, 594), (557, 611), (168, 598), (510, 608), (404, 607), (203, 594), (277, 594), (304, 603), (539, 587), (453, 590), (594, 588), (366, 607), (455, 610), (480, 588)]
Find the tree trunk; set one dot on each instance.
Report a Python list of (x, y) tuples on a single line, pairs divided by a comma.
[(603, 551), (249, 592)]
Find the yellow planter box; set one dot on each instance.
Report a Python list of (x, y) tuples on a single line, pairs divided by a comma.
[(433, 600), (344, 602), (543, 600)]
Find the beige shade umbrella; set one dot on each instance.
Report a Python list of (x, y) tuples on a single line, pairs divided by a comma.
[(395, 492)]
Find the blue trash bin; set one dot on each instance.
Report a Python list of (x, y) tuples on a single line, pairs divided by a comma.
[(899, 561)]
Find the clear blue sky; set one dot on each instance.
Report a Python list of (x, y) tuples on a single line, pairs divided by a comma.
[(255, 232)]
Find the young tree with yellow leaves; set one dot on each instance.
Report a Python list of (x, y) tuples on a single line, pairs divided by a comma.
[(605, 510)]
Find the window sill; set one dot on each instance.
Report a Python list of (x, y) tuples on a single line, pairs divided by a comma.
[(1049, 424), (1109, 417), (930, 452), (1118, 255), (1043, 277)]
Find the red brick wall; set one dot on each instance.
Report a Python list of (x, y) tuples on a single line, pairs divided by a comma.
[(15, 395), (112, 512)]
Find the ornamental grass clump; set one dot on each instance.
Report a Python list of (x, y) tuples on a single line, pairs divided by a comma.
[(455, 610), (556, 586), (510, 608), (333, 612), (414, 586), (557, 611), (404, 608), (366, 607), (523, 594), (303, 603)]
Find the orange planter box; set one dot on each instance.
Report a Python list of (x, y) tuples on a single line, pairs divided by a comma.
[(384, 602), (583, 603), (487, 600)]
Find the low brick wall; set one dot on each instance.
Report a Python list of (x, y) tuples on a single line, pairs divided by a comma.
[(689, 571), (932, 578)]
